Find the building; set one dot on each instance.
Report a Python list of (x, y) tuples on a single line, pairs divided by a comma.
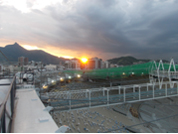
[(105, 64), (72, 64), (94, 63), (51, 67), (60, 67), (23, 61)]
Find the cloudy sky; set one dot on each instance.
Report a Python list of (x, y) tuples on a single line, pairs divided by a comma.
[(102, 28)]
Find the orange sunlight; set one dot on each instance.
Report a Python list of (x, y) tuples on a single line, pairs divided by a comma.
[(48, 50), (84, 60)]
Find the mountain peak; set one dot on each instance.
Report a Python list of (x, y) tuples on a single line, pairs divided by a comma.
[(13, 51), (13, 45), (16, 44)]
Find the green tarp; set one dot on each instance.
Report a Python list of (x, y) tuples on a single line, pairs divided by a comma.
[(120, 72)]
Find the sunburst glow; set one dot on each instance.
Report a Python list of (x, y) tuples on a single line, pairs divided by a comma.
[(84, 60)]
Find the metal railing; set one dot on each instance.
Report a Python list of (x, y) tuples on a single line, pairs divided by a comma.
[(7, 109), (166, 74), (67, 100)]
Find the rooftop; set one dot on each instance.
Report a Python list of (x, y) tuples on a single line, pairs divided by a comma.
[(30, 115)]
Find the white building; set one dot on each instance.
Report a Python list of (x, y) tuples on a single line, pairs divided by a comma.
[(51, 67), (105, 64), (73, 64)]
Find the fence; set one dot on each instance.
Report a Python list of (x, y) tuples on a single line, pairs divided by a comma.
[(7, 108), (67, 100)]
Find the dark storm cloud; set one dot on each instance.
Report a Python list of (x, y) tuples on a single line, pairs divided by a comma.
[(164, 42), (106, 28), (92, 24), (141, 28)]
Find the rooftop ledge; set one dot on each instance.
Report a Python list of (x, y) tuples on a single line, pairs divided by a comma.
[(30, 115)]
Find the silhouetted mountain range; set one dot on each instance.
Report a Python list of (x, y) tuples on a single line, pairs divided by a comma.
[(12, 52), (128, 60)]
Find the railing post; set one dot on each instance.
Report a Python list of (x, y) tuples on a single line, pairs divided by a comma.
[(86, 94), (177, 87), (89, 98), (103, 92), (166, 89), (69, 101), (148, 84), (124, 94), (3, 123), (12, 98), (104, 89), (119, 89), (139, 93), (110, 84), (108, 96), (153, 92)]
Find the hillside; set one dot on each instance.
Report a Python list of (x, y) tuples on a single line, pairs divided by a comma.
[(12, 52), (128, 60)]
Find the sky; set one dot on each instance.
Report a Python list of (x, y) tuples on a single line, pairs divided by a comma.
[(93, 28)]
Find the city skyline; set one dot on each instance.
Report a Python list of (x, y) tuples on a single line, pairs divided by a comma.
[(102, 28)]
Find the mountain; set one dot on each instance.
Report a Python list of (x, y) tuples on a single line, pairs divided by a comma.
[(128, 60), (12, 52)]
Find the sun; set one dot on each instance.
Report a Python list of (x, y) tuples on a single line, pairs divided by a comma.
[(84, 60)]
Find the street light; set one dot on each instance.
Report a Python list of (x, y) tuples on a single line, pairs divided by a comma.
[(78, 76)]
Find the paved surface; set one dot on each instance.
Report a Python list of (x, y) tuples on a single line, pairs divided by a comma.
[(30, 116)]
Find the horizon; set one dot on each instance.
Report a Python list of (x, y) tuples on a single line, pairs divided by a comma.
[(98, 28), (31, 48)]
